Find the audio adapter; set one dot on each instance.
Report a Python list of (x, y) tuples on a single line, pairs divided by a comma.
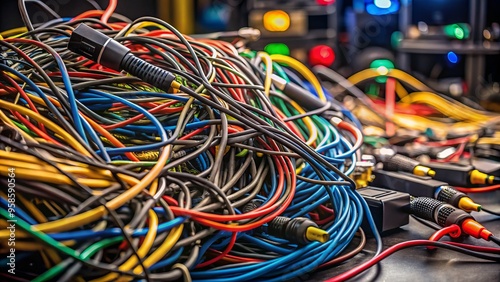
[(424, 187), (446, 215)]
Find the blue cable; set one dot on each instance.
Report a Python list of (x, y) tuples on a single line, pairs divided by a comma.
[(17, 211), (112, 232)]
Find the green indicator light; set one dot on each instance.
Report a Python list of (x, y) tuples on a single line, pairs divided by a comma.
[(277, 48), (459, 31), (382, 66)]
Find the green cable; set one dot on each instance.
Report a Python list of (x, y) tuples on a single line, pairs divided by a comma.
[(41, 236), (242, 153), (24, 128), (86, 254)]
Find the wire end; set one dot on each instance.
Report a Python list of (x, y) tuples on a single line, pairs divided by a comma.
[(468, 205), (317, 234)]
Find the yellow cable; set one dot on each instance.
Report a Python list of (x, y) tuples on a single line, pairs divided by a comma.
[(15, 32), (31, 162), (400, 90), (313, 130), (141, 252), (51, 177), (163, 249), (35, 212), (269, 71), (87, 217), (304, 71), (458, 111), (399, 74), (25, 135), (48, 123)]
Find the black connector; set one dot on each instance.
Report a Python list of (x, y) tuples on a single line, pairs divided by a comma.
[(299, 230), (404, 182), (460, 175), (108, 52), (402, 163), (424, 187), (388, 208), (437, 211)]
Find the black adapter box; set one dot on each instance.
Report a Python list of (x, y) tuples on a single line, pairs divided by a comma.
[(389, 208)]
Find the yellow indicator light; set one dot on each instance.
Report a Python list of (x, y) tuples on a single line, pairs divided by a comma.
[(276, 20)]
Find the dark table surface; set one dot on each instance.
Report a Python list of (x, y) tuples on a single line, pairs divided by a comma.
[(419, 264)]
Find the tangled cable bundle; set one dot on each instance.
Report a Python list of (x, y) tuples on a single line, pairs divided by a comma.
[(118, 179)]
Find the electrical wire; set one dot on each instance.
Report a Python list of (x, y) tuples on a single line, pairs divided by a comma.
[(136, 182)]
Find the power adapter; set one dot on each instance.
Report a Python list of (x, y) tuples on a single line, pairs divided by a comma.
[(389, 208)]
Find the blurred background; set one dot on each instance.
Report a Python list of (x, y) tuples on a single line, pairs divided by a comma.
[(452, 45)]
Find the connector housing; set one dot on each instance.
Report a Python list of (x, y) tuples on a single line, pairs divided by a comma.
[(453, 174), (389, 208), (97, 46), (418, 186), (487, 166)]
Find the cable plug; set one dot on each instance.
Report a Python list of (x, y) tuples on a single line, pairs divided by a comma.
[(461, 175), (457, 199), (402, 163), (307, 100), (476, 230), (479, 177), (298, 230), (108, 52), (446, 215)]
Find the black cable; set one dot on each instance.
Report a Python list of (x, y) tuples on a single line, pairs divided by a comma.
[(495, 240), (490, 211)]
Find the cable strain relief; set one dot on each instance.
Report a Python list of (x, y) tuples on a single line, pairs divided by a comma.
[(252, 205), (424, 207), (147, 72), (449, 195), (400, 163), (277, 226)]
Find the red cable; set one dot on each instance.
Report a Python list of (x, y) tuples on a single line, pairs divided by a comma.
[(109, 11), (260, 211), (290, 124), (285, 166), (453, 230), (451, 142), (35, 129), (354, 131), (325, 220), (364, 266), (80, 74), (236, 94), (194, 133), (234, 258), (455, 156), (476, 248), (390, 102), (478, 189), (88, 14), (140, 116), (221, 255), (171, 201), (28, 100)]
